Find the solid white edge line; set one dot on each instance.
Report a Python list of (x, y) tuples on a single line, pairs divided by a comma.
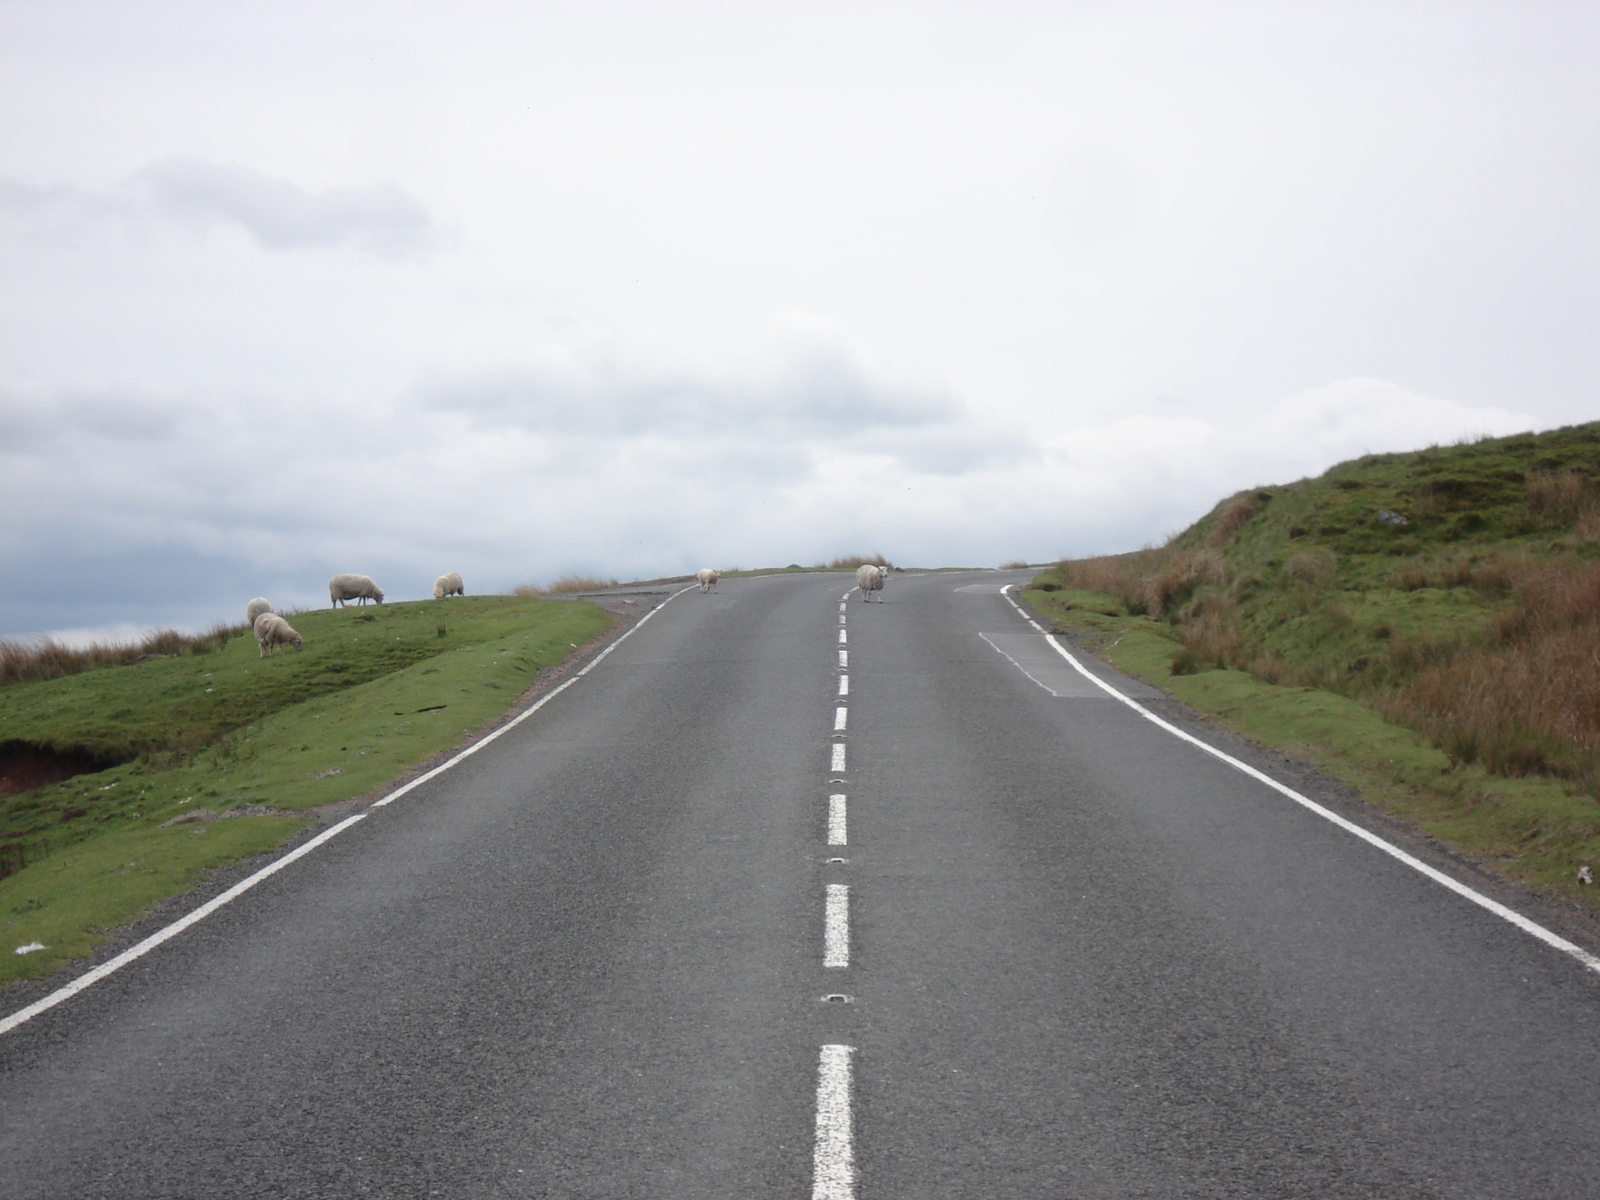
[(531, 709), (1549, 938), (94, 976), (88, 978), (836, 820), (836, 927), (833, 1163)]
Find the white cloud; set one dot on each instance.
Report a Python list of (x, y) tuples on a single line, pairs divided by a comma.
[(611, 469), (378, 218), (521, 289)]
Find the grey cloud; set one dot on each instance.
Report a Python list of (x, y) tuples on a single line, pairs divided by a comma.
[(30, 418), (815, 395), (378, 218)]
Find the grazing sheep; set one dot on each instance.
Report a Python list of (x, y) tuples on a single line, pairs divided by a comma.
[(254, 609), (870, 579), (272, 630), (448, 585), (344, 588), (708, 577)]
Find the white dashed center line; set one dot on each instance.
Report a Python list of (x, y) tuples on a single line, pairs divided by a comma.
[(837, 763), (844, 659), (843, 637), (836, 927), (833, 1166), (840, 716), (844, 685), (836, 829)]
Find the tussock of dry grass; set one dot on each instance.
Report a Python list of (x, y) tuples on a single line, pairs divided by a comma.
[(1149, 582), (1565, 497), (30, 659), (1526, 700), (1521, 698), (1233, 517), (1312, 568), (566, 583)]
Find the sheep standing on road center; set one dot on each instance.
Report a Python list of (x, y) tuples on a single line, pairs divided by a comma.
[(254, 609), (708, 577), (448, 585), (273, 631), (870, 579), (345, 588)]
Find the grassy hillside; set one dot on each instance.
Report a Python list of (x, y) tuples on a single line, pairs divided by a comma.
[(1446, 600), (246, 743)]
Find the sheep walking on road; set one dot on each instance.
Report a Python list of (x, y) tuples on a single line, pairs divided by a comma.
[(870, 579), (254, 609), (345, 588), (448, 585), (273, 631), (708, 577)]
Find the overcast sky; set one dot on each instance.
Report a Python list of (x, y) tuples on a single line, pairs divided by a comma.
[(525, 289)]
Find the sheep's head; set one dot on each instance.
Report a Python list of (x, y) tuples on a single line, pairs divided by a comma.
[(377, 595)]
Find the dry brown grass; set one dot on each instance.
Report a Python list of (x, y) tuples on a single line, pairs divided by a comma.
[(1527, 699), (851, 561), (32, 659), (1235, 514), (1151, 582), (1312, 568), (564, 584), (1562, 496), (1179, 576), (1523, 698), (1015, 564), (1211, 636)]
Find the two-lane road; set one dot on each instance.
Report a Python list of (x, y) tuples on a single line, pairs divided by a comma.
[(1083, 959)]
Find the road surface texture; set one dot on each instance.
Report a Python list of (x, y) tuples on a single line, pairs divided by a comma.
[(1074, 958)]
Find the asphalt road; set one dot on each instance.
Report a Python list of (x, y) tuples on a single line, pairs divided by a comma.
[(1085, 960)]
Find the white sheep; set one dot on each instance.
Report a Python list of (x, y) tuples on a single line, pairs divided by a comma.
[(344, 588), (448, 585), (870, 579), (272, 630), (708, 577), (254, 609)]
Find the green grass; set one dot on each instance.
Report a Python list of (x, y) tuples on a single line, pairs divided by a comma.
[(1297, 617), (376, 690)]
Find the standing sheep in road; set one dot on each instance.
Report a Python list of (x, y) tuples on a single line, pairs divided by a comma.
[(254, 609), (448, 585), (344, 588), (708, 577), (870, 579), (272, 630)]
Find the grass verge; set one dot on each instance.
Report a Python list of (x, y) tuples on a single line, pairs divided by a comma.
[(239, 746), (1533, 829)]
